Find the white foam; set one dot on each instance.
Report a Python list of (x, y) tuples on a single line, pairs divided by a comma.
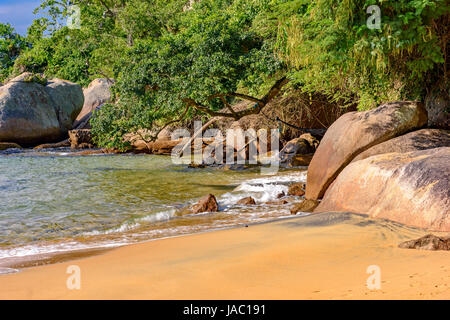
[(32, 250), (261, 189), (154, 217), (8, 270)]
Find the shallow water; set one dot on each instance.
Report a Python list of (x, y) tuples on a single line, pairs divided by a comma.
[(56, 202)]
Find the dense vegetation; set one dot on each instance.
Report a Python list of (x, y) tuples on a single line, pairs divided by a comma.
[(172, 59)]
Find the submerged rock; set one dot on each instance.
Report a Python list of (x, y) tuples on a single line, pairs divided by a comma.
[(206, 204), (428, 242), (411, 188), (355, 132)]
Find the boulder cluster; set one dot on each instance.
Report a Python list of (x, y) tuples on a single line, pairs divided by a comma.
[(384, 163)]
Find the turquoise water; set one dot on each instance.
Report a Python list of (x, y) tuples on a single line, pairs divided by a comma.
[(55, 201)]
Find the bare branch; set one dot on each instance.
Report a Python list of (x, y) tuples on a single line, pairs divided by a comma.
[(155, 136), (260, 103)]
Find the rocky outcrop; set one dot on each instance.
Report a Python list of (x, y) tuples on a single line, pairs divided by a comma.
[(206, 204), (81, 139), (9, 145), (355, 132), (428, 242), (32, 113), (95, 95), (67, 99), (414, 141), (247, 201), (411, 188)]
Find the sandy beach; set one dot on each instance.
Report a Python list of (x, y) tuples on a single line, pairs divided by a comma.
[(322, 256)]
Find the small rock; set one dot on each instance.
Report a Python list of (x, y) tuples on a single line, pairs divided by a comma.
[(281, 195), (206, 204), (279, 202), (305, 206), (297, 189), (248, 201), (428, 242)]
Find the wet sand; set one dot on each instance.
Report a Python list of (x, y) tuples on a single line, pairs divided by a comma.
[(322, 256)]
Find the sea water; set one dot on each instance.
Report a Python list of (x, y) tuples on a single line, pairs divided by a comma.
[(54, 201)]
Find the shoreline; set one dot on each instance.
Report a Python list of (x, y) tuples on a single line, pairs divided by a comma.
[(135, 230), (43, 259), (320, 256)]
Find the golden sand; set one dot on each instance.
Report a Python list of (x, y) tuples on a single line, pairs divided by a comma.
[(323, 256)]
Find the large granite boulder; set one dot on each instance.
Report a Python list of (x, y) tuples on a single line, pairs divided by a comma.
[(33, 113), (411, 188), (414, 141), (355, 132), (95, 95), (67, 99)]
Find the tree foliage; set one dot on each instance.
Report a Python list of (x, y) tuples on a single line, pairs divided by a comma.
[(332, 50), (11, 46), (172, 60)]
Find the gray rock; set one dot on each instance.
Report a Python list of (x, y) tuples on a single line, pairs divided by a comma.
[(96, 94), (31, 113)]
